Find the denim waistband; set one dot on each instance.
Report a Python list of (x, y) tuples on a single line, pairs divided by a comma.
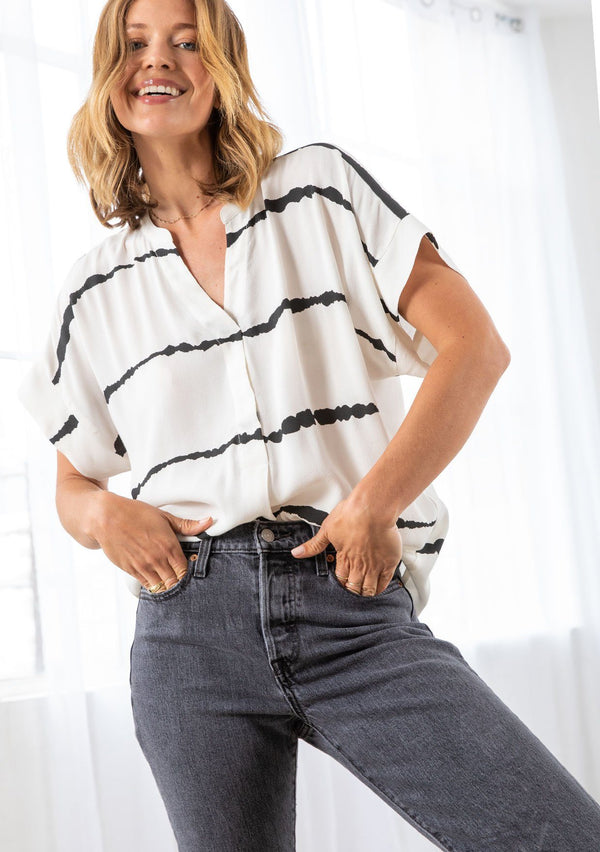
[(259, 533)]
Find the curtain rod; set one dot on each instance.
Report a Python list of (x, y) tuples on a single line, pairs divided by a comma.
[(476, 14)]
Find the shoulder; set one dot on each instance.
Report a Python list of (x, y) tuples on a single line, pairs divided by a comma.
[(327, 164), (320, 163), (114, 251), (312, 152), (116, 247)]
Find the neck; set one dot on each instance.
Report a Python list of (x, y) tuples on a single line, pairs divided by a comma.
[(170, 167)]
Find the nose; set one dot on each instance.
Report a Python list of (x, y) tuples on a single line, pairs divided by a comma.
[(158, 57), (159, 63)]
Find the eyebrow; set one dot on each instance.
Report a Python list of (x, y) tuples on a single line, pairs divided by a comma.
[(175, 26)]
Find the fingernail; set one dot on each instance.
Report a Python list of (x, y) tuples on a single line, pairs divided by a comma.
[(298, 551), (202, 520)]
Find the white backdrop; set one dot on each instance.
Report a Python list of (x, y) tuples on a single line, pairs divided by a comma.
[(596, 25), (453, 114)]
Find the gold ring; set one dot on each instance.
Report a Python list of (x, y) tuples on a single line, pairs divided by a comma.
[(155, 587)]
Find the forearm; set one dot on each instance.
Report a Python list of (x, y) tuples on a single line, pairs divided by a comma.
[(444, 412), (80, 503)]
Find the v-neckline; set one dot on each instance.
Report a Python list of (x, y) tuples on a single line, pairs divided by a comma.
[(186, 279)]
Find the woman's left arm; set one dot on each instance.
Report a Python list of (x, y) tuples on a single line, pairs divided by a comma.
[(439, 302), (472, 356)]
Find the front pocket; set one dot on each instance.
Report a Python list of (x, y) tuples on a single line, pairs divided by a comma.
[(395, 584), (179, 585)]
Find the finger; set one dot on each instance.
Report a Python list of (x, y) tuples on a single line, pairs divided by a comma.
[(375, 583), (385, 578), (178, 567), (311, 546), (355, 576), (136, 575), (366, 582), (149, 581), (342, 569), (168, 572)]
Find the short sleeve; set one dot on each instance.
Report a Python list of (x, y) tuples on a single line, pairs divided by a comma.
[(61, 393), (391, 237)]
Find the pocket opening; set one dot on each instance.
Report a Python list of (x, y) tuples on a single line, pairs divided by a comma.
[(194, 553), (394, 585)]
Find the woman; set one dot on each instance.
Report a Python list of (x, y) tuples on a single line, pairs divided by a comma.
[(233, 346)]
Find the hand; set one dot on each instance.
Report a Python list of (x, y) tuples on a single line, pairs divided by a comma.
[(141, 539), (368, 548)]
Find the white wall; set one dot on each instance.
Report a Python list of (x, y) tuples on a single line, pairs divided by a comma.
[(569, 47), (596, 17)]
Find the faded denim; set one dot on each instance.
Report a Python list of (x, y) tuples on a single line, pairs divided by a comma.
[(254, 648)]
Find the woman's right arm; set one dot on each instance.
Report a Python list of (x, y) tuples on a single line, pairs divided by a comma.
[(78, 501), (97, 518)]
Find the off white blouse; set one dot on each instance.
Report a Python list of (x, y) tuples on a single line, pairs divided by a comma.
[(274, 406)]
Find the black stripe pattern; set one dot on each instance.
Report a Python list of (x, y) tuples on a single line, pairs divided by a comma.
[(150, 374)]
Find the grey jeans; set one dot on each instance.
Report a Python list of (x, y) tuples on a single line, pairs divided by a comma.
[(254, 648)]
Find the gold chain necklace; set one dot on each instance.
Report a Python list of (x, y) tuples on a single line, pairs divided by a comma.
[(170, 221)]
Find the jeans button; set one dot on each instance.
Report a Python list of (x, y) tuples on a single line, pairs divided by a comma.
[(267, 534)]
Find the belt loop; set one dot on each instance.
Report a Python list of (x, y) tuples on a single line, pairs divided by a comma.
[(204, 545), (322, 569)]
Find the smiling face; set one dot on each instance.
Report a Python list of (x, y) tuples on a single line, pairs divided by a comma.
[(162, 50)]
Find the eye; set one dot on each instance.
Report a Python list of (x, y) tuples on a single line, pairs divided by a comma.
[(132, 43)]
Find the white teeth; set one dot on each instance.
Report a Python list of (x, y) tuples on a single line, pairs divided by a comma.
[(161, 90)]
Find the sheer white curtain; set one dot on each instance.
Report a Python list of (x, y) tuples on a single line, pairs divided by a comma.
[(452, 112), (450, 107)]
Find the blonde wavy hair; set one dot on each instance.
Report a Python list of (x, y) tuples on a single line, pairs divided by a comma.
[(101, 151)]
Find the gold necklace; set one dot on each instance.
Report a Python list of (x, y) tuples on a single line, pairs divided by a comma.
[(170, 221)]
